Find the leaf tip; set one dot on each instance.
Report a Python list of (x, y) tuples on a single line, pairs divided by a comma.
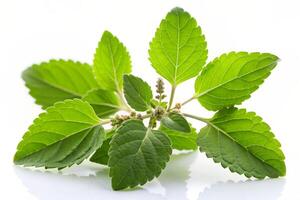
[(126, 76), (177, 9), (106, 33)]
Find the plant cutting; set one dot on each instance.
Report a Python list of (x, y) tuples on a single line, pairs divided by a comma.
[(79, 99)]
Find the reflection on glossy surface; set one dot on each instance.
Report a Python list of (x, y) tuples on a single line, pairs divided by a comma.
[(50, 186), (174, 177), (247, 190), (91, 181)]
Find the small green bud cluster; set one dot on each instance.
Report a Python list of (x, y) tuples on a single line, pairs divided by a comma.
[(159, 112), (119, 119)]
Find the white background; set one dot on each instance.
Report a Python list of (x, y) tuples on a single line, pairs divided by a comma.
[(32, 31)]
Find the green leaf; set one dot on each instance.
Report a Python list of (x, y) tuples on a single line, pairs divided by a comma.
[(105, 103), (137, 154), (137, 92), (241, 141), (178, 50), (111, 62), (67, 133), (101, 155), (181, 140), (57, 80), (176, 121), (231, 78)]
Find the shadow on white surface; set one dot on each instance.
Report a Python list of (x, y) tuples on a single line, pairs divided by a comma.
[(247, 190), (90, 181)]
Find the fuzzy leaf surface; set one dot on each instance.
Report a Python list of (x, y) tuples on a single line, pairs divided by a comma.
[(178, 50), (231, 78), (57, 80), (105, 103), (101, 155), (137, 92), (176, 121), (242, 142), (181, 140), (111, 62), (66, 134), (137, 154)]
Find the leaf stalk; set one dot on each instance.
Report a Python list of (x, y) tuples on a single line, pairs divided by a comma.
[(124, 106), (189, 100), (171, 97), (205, 120)]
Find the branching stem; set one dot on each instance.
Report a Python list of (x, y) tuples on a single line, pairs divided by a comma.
[(105, 121), (185, 102), (108, 121), (205, 120), (146, 116), (189, 100), (171, 97), (197, 118)]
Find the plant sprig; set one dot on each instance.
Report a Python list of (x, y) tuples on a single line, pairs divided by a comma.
[(79, 99)]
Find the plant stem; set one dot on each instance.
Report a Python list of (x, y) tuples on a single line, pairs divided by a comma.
[(197, 118), (187, 101), (124, 107), (205, 120), (107, 121), (146, 116), (172, 97)]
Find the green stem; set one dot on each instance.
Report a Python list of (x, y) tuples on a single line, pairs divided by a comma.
[(205, 120), (189, 100), (172, 97), (107, 121), (185, 102), (146, 116), (124, 106), (151, 122), (160, 98)]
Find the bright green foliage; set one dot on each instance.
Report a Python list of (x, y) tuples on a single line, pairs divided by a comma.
[(181, 140), (231, 78), (70, 130), (111, 62), (67, 133), (58, 80), (178, 50), (137, 92), (104, 102), (137, 154), (176, 121), (241, 141)]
